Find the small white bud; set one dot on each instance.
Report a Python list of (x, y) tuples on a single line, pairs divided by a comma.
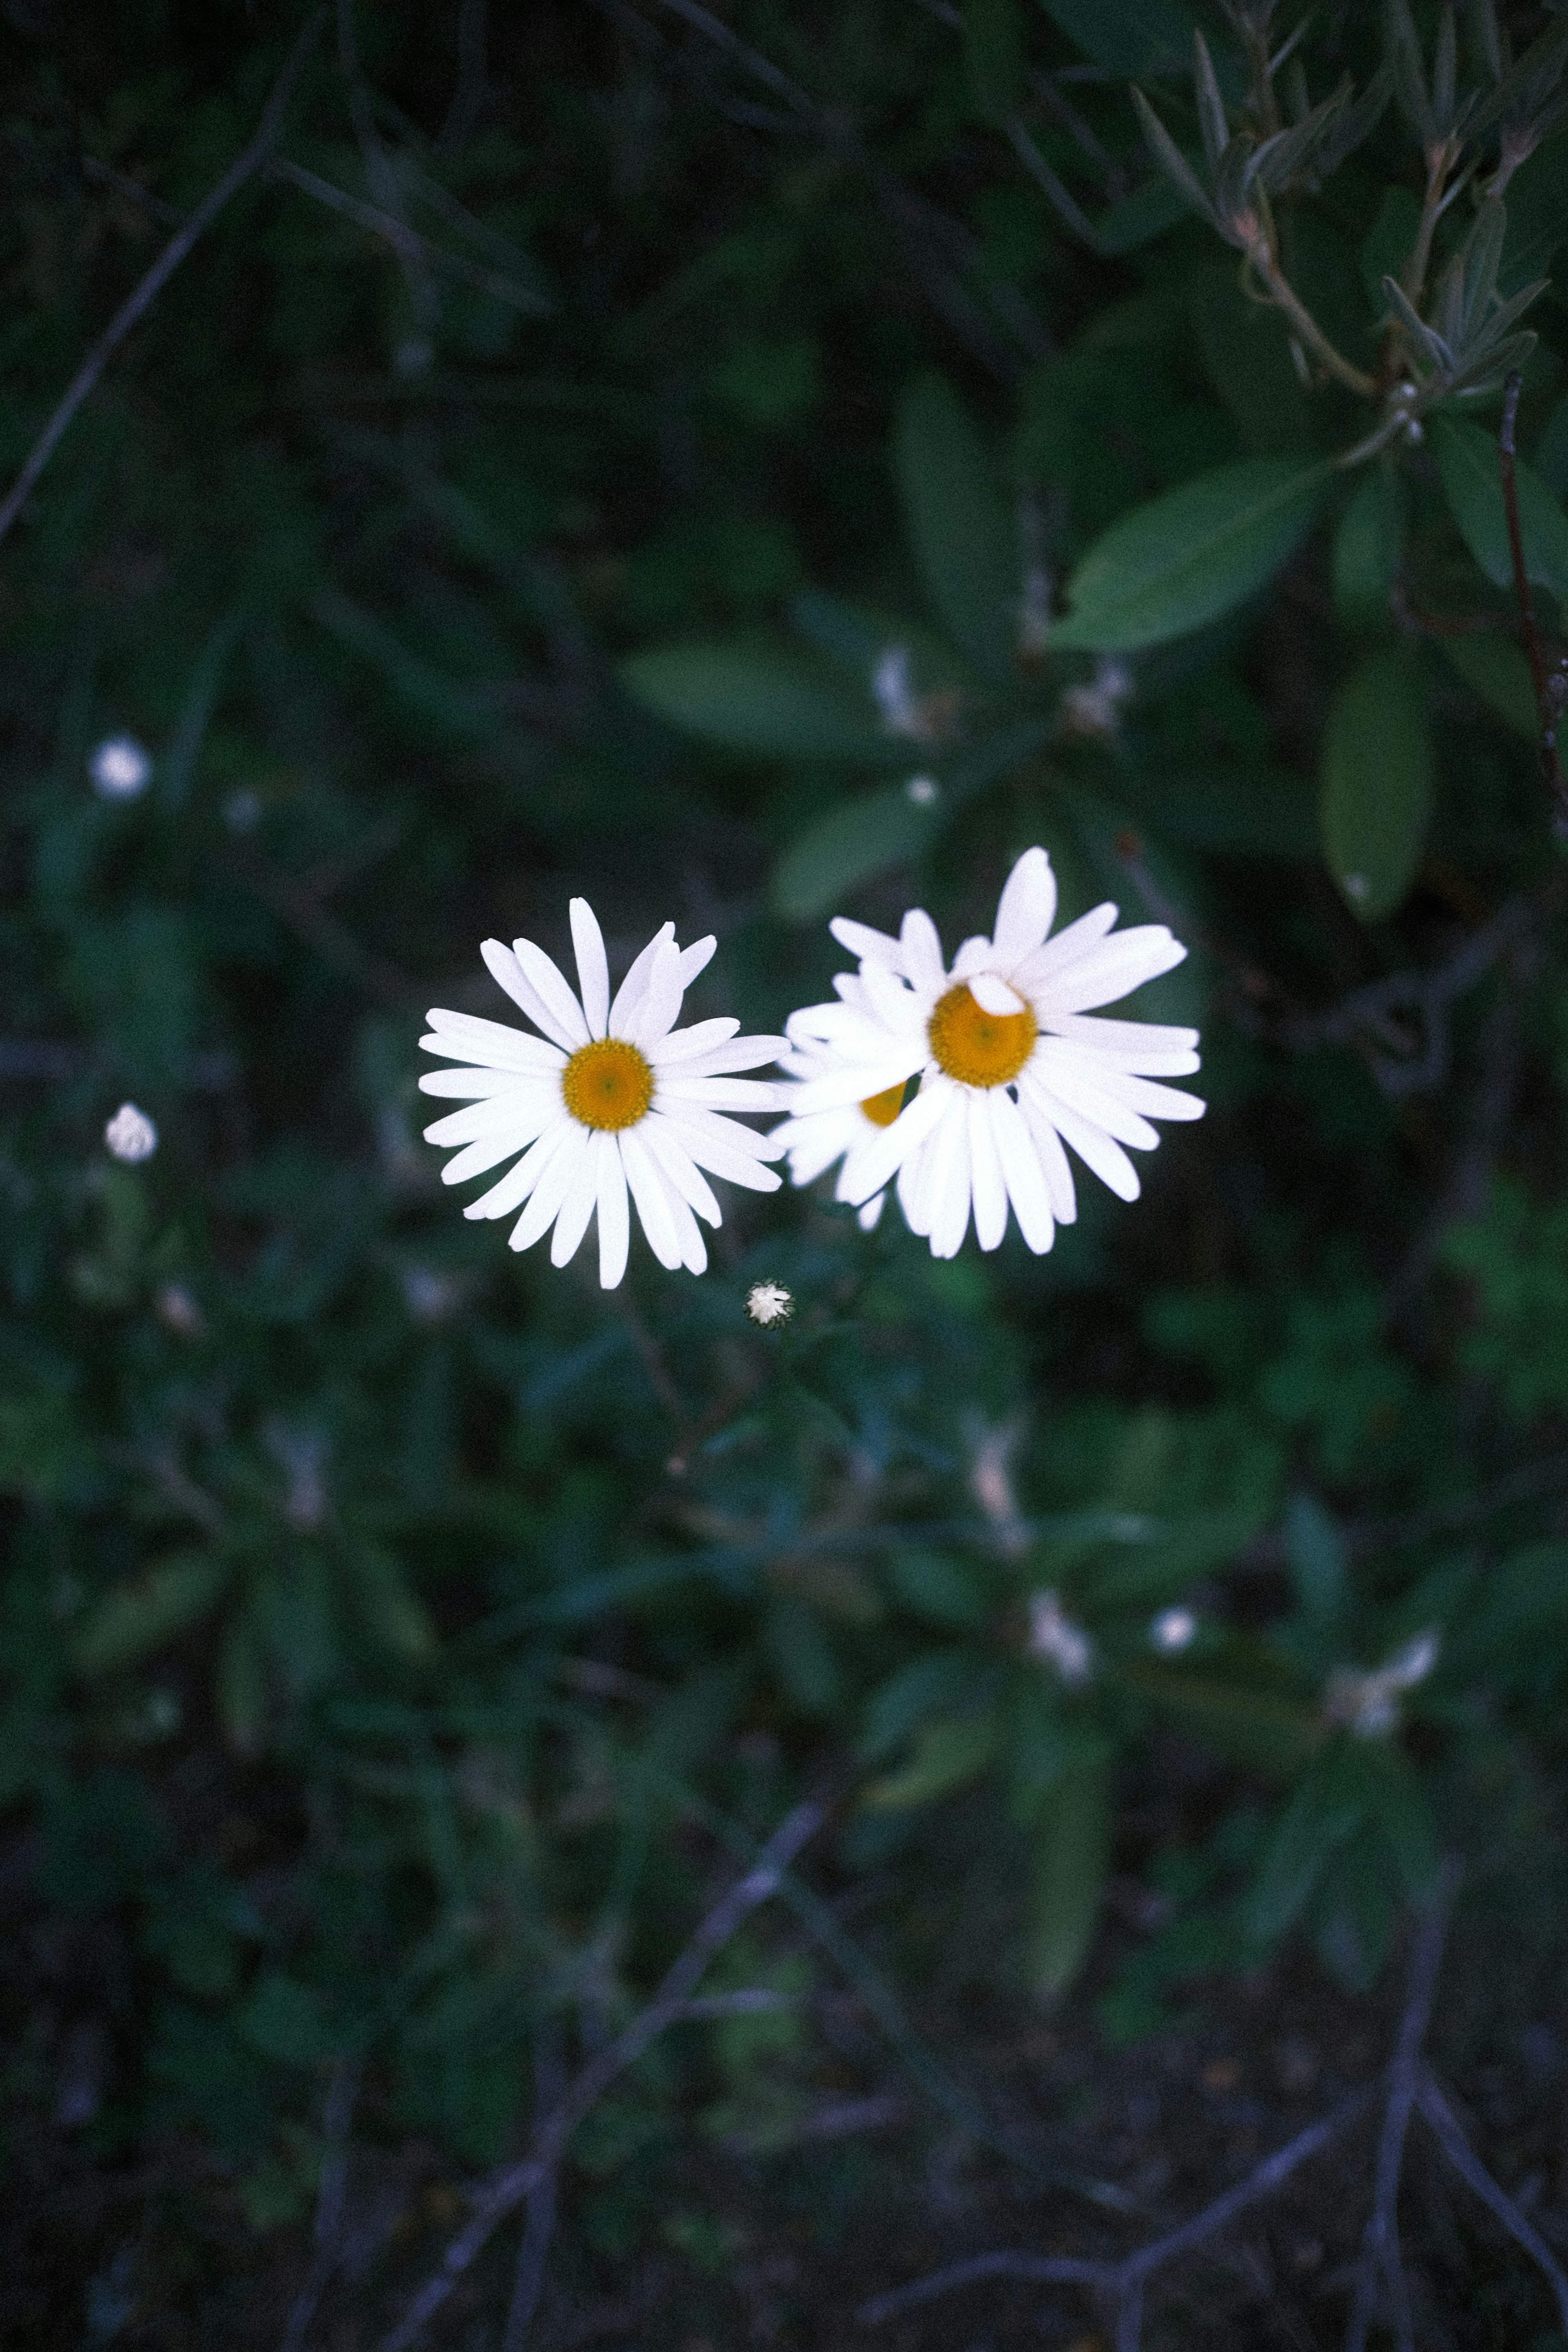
[(924, 790), (1357, 887), (1054, 1637), (120, 768), (242, 810), (769, 1304), (1172, 1630), (131, 1135), (178, 1311)]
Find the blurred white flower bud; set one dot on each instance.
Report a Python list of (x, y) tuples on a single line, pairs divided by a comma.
[(131, 1135), (924, 790), (120, 768), (1368, 1703), (1054, 1637), (769, 1303), (1172, 1630)]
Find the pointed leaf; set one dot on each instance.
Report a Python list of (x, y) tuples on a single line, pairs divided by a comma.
[(1494, 667), (1320, 1817), (1367, 549), (1072, 1857), (1171, 566), (859, 838), (947, 1754), (144, 1612), (768, 700), (1128, 37), (1377, 783), (1472, 484), (1178, 172), (958, 524)]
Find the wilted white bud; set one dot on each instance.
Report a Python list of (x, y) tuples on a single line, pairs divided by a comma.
[(769, 1303), (1095, 709), (131, 1135), (991, 1482), (1172, 1630), (1054, 1637), (120, 768), (895, 695), (924, 790), (1368, 1703), (301, 1456)]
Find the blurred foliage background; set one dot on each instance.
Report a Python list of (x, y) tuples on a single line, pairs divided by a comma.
[(613, 448)]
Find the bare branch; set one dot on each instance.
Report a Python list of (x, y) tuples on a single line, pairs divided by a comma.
[(1435, 2110), (336, 2122), (509, 2188), (137, 304)]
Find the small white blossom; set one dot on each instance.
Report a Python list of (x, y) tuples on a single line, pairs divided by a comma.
[(1172, 1630), (1368, 1703), (924, 790), (1095, 709), (769, 1303), (895, 695), (1054, 1637), (179, 1312), (120, 768), (131, 1135)]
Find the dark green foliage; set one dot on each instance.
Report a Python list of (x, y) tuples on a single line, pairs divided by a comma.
[(738, 486)]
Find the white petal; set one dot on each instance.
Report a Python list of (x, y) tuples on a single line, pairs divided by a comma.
[(866, 1216), (1054, 1165), (684, 1044), (545, 976), (1141, 1094), (857, 1082), (1026, 908), (740, 1053), (649, 1192), (696, 959), (487, 1152), (495, 1044), (518, 1182), (1094, 1148), (922, 946), (869, 946), (661, 1000), (723, 1094), (592, 970), (634, 988), (680, 1168), (891, 1003), (815, 1143), (566, 1171), (985, 1170), (1130, 1041), (1026, 1187), (615, 1227), (690, 1119), (713, 1146), (992, 994), (478, 1085), (976, 955), (914, 1189), (949, 1180), (1104, 1104), (523, 1109), (1114, 969), (576, 1209), (909, 1129), (849, 1186), (507, 973), (693, 1248), (1048, 962)]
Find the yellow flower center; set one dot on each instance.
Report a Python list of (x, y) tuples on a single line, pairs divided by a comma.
[(607, 1083), (883, 1109), (976, 1047)]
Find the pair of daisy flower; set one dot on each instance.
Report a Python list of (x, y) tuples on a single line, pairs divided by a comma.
[(611, 1099)]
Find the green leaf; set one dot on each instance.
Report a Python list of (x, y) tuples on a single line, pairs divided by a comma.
[(1467, 462), (1249, 1720), (1377, 783), (1315, 1548), (1321, 1814), (938, 1587), (854, 841), (1537, 215), (1494, 668), (145, 1613), (770, 702), (1072, 1857), (1367, 544), (947, 1754), (1190, 556), (283, 2020), (943, 1682), (1128, 38), (994, 57), (959, 524)]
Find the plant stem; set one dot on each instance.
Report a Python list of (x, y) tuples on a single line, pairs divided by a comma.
[(1547, 702), (1284, 297)]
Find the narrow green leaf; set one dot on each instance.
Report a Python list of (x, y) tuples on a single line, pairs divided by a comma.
[(947, 1755), (1467, 462), (1265, 1730), (1321, 1815), (1190, 556), (1072, 1857), (145, 1613), (1315, 1548), (854, 841), (770, 702), (994, 57), (1494, 668), (1377, 783), (959, 524), (1128, 37), (1367, 544)]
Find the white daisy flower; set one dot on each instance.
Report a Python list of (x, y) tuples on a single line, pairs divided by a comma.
[(612, 1096), (1010, 1066), (814, 1143)]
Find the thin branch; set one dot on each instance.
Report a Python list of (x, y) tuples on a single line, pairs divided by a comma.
[(1435, 2110), (550, 2071), (378, 169), (336, 2122), (409, 244), (1380, 2254), (137, 304), (1548, 693), (508, 2188)]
